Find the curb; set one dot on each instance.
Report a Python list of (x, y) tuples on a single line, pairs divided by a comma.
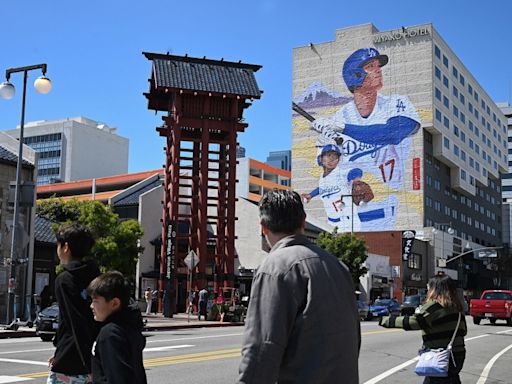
[(162, 327), (17, 334)]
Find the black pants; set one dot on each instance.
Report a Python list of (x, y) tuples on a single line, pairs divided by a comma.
[(453, 371), (202, 310)]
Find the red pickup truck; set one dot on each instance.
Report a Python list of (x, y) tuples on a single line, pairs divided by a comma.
[(493, 305)]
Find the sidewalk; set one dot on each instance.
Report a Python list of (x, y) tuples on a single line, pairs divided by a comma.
[(153, 323)]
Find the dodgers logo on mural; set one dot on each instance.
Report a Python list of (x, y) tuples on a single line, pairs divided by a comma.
[(361, 146)]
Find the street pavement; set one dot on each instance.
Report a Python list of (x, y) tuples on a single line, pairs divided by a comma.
[(211, 355)]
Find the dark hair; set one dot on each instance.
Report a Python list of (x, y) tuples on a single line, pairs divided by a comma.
[(110, 285), (281, 211), (443, 289), (79, 239)]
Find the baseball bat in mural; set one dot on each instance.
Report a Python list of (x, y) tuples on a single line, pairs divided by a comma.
[(303, 113)]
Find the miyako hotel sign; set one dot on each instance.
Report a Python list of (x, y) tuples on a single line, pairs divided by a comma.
[(399, 34)]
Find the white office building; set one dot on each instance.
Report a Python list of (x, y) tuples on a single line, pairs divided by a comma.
[(506, 182), (74, 149)]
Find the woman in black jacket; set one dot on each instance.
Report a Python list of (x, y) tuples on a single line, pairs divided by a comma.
[(438, 319)]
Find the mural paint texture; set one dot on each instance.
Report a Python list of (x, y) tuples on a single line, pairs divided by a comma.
[(363, 146)]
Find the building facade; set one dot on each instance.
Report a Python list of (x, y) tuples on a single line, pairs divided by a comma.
[(24, 249), (65, 147), (429, 146), (419, 146), (506, 182), (255, 178)]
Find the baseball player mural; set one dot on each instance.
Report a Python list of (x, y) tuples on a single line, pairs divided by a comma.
[(371, 132)]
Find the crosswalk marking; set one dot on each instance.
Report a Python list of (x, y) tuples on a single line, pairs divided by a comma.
[(11, 379)]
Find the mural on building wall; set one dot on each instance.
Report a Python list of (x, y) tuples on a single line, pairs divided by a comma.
[(364, 157)]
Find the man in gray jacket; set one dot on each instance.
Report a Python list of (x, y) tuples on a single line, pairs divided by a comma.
[(303, 323)]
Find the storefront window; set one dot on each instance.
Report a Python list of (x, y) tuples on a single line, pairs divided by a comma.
[(414, 261)]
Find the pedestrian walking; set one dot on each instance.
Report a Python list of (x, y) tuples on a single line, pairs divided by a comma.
[(203, 301), (148, 296), (71, 361), (117, 351), (438, 318), (293, 333)]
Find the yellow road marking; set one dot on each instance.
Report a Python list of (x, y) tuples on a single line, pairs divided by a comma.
[(383, 331), (194, 357)]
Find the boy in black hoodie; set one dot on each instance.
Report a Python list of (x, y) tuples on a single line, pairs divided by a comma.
[(71, 361), (117, 351)]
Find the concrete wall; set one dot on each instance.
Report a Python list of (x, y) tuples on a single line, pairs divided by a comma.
[(150, 212), (248, 244), (93, 152)]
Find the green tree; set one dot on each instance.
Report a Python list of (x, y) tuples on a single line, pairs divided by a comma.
[(116, 245), (347, 248)]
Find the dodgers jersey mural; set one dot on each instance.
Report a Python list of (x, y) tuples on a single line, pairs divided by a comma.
[(364, 146)]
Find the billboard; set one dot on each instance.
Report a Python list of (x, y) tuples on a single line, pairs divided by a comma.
[(357, 143)]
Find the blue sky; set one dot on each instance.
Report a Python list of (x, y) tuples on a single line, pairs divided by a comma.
[(93, 51)]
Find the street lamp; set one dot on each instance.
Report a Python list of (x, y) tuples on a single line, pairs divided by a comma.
[(43, 85)]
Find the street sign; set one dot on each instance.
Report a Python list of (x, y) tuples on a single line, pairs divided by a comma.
[(191, 260), (488, 253)]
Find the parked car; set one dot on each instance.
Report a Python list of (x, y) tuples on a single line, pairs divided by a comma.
[(411, 303), (47, 322), (384, 307), (493, 305), (363, 308)]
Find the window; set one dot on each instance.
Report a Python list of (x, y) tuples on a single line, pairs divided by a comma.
[(463, 156), (463, 174), (471, 144), (428, 201), (437, 185), (437, 72), (446, 122), (470, 107), (455, 91), (456, 111), (463, 136), (446, 83), (438, 115), (476, 96), (437, 52), (445, 61), (446, 103), (447, 211), (414, 261), (437, 206), (456, 150), (438, 94), (446, 143), (462, 99), (456, 130), (455, 73), (429, 180), (470, 89)]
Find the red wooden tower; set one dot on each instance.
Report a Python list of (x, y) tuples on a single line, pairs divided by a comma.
[(204, 101)]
